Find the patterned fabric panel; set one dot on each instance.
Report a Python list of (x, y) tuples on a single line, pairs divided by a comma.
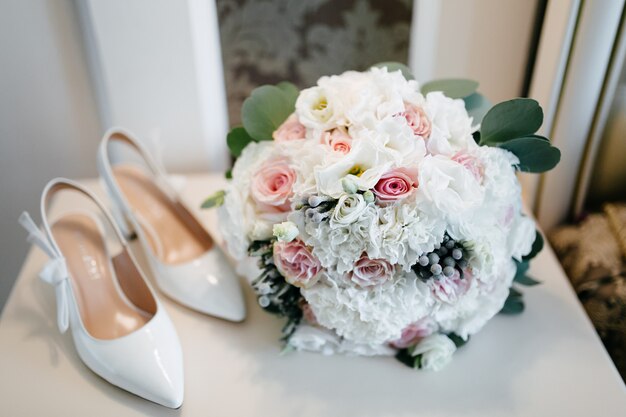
[(267, 41)]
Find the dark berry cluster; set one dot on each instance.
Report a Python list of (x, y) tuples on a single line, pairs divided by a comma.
[(274, 294), (449, 256), (317, 208)]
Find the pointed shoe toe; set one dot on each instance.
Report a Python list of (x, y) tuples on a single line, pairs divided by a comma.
[(207, 284), (147, 363)]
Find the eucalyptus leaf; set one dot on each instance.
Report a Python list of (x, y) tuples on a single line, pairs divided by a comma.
[(511, 119), (458, 340), (535, 155), (265, 110), (237, 139), (395, 66), (477, 106), (513, 292), (526, 280), (290, 90), (451, 87), (536, 248), (513, 304), (522, 268), (214, 200)]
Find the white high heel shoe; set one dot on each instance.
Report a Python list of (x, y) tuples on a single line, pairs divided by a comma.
[(119, 327), (188, 266)]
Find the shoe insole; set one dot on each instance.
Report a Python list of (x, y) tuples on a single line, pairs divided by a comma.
[(174, 235), (105, 312)]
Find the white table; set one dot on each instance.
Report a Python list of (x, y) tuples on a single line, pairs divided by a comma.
[(546, 362)]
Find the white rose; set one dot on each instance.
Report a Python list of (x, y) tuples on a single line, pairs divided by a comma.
[(348, 209), (395, 136), (451, 126), (285, 231), (436, 351), (452, 188)]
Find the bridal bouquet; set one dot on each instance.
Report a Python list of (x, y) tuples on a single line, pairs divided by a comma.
[(386, 218)]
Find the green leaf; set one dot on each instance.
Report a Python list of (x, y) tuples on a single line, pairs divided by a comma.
[(417, 361), (526, 280), (535, 155), (458, 340), (214, 200), (513, 292), (521, 277), (229, 174), (451, 87), (405, 357), (514, 303), (265, 110), (395, 66), (522, 268), (477, 106), (511, 119), (536, 248), (290, 90), (237, 139)]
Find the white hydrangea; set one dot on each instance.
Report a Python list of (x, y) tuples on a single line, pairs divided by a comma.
[(318, 339), (483, 301), (339, 245), (369, 316), (406, 232)]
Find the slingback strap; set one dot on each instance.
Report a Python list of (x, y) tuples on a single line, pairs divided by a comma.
[(154, 165), (55, 272)]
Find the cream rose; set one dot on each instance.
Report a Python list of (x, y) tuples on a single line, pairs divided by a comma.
[(338, 139), (418, 120), (291, 129), (371, 272), (296, 263), (272, 184)]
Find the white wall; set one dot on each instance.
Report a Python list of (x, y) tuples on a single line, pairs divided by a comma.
[(158, 72), (485, 40), (48, 120)]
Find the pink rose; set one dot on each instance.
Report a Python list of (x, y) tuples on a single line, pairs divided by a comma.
[(450, 289), (415, 332), (296, 263), (396, 184), (272, 184), (472, 164), (418, 121), (291, 129), (338, 140), (371, 272)]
